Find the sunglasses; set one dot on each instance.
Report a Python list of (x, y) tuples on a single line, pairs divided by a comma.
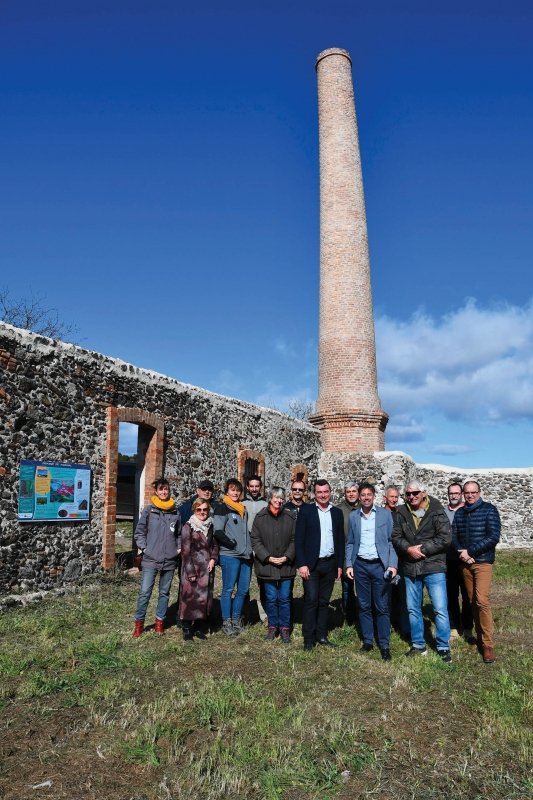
[(412, 494)]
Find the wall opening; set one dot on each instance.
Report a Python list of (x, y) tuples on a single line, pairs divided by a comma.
[(131, 495), (299, 472), (250, 462)]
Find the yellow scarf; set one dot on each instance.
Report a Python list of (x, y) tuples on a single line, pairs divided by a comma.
[(238, 507), (164, 505)]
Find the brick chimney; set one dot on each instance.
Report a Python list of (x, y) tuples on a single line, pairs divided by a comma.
[(348, 409)]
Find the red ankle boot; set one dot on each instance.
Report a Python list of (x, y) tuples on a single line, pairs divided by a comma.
[(139, 627), (159, 627)]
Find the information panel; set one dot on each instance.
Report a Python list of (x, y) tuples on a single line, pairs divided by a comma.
[(49, 490)]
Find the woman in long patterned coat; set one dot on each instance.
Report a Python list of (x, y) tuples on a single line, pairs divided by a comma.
[(199, 555)]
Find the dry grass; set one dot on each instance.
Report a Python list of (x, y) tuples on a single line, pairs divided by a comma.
[(103, 716)]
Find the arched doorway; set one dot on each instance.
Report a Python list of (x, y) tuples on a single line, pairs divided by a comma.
[(250, 462), (150, 449)]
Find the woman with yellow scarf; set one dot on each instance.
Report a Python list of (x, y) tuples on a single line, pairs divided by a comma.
[(158, 537), (230, 525)]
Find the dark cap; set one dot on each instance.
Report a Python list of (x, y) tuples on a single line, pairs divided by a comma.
[(206, 485)]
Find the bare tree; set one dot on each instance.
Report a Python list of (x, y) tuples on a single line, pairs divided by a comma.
[(300, 407), (32, 314)]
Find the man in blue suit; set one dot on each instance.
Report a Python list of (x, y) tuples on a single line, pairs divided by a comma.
[(319, 543), (369, 553)]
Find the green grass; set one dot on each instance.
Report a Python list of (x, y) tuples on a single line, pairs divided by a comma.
[(115, 718)]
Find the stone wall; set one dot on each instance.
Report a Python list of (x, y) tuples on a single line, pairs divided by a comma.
[(511, 490), (54, 406)]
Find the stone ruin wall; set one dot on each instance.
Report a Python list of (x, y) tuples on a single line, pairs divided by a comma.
[(511, 490), (54, 400)]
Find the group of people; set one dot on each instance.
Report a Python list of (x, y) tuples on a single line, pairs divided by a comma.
[(384, 556)]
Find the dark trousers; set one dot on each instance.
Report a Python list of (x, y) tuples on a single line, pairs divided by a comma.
[(317, 593), (349, 603), (461, 619), (373, 593)]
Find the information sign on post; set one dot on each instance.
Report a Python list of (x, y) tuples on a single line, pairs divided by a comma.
[(50, 490)]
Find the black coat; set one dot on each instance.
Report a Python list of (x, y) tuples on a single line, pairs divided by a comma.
[(274, 536), (434, 534), (477, 529), (308, 536)]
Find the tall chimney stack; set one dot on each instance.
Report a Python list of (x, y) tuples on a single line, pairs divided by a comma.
[(348, 409)]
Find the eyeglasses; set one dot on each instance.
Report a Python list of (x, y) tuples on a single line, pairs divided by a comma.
[(469, 493), (301, 491), (412, 494)]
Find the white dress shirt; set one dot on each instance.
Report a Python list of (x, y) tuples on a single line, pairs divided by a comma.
[(367, 545), (327, 548)]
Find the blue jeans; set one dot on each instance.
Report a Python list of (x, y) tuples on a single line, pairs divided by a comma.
[(436, 586), (278, 602), (234, 571), (373, 594), (147, 584)]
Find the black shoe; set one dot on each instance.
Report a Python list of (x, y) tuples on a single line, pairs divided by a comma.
[(179, 623), (366, 648), (187, 631), (286, 635), (326, 643), (308, 646), (416, 651), (445, 655), (271, 635), (385, 654)]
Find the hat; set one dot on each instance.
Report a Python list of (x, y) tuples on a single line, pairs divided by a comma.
[(206, 485)]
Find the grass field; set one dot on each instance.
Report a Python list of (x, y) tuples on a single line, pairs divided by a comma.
[(103, 716)]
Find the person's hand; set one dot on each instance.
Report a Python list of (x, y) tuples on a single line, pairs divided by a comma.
[(277, 561), (179, 552), (415, 552), (303, 572), (349, 573), (211, 565), (191, 578), (339, 573), (393, 570), (464, 556)]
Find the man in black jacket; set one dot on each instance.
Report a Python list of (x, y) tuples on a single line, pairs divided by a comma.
[(421, 536), (319, 558), (476, 532)]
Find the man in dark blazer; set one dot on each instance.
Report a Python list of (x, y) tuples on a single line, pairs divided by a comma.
[(369, 553), (319, 558)]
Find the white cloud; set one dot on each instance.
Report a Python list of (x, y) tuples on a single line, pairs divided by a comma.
[(227, 383), (449, 449), (473, 365), (406, 428)]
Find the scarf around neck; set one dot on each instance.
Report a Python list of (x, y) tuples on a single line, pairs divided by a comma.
[(417, 516), (164, 505), (200, 525), (238, 507)]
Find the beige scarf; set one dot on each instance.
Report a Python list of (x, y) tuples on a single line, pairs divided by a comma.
[(200, 525)]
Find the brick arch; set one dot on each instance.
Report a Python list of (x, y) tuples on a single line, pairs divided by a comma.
[(153, 467), (255, 455), (301, 470)]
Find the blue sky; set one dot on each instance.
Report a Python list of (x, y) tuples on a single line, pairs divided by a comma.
[(160, 186)]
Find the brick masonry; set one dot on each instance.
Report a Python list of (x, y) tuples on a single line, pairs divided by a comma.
[(59, 402), (348, 409)]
